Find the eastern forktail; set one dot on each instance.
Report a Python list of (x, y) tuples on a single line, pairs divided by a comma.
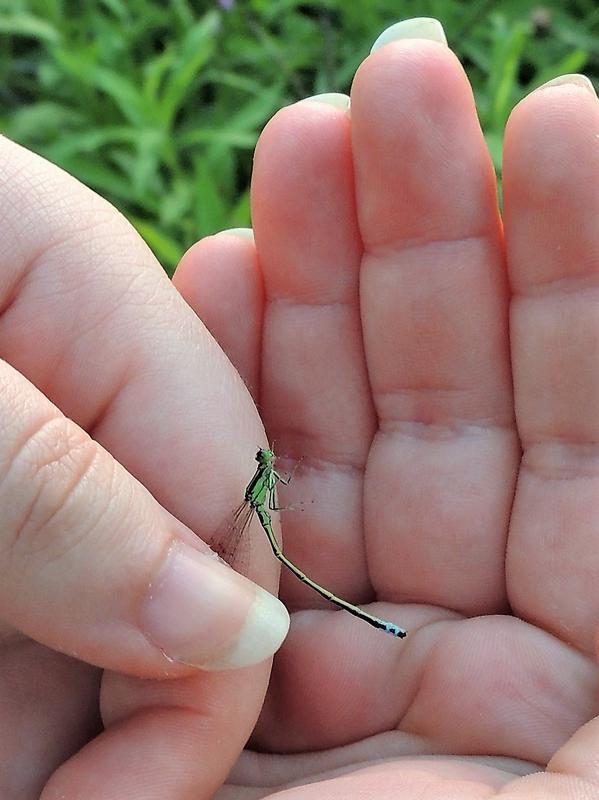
[(260, 496)]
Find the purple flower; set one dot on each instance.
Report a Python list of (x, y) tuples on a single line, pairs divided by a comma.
[(226, 4)]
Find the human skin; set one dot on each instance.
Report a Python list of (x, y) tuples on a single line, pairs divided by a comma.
[(438, 378)]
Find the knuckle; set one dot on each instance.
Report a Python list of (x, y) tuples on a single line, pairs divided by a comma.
[(43, 489)]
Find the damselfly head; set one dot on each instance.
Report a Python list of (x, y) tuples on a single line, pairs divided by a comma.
[(264, 456)]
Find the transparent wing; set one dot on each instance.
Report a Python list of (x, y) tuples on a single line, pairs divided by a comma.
[(229, 541)]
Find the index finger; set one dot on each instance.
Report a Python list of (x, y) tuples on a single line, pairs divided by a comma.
[(89, 317)]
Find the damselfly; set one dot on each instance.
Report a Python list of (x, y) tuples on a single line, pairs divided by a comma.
[(260, 497)]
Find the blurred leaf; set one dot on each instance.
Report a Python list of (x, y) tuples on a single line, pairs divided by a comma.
[(155, 70), (508, 46), (210, 210), (79, 142), (23, 24), (117, 7), (575, 33), (148, 145), (573, 62), (121, 90), (177, 202), (240, 216), (495, 144), (257, 110), (193, 52), (217, 135), (243, 82), (41, 120)]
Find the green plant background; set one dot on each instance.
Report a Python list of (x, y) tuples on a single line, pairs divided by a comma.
[(158, 106)]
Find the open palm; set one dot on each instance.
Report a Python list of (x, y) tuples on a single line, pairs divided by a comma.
[(437, 375)]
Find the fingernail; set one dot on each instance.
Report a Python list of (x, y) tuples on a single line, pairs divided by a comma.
[(245, 233), (416, 28), (202, 613), (575, 79), (336, 99)]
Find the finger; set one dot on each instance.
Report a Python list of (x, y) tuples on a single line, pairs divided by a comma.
[(162, 739), (219, 278), (89, 317), (309, 255), (571, 773), (315, 394), (449, 690), (92, 566), (49, 710), (434, 313), (551, 208)]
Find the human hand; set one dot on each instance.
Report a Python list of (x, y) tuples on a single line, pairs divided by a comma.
[(442, 392), (104, 361)]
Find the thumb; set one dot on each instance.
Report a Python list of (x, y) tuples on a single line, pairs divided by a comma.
[(92, 565)]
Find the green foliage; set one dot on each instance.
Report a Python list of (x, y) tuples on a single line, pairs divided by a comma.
[(158, 106)]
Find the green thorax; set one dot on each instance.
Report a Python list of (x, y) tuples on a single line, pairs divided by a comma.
[(258, 488)]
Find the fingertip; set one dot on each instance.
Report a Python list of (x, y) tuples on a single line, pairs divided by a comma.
[(220, 279), (414, 28), (201, 613), (243, 233), (264, 631)]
